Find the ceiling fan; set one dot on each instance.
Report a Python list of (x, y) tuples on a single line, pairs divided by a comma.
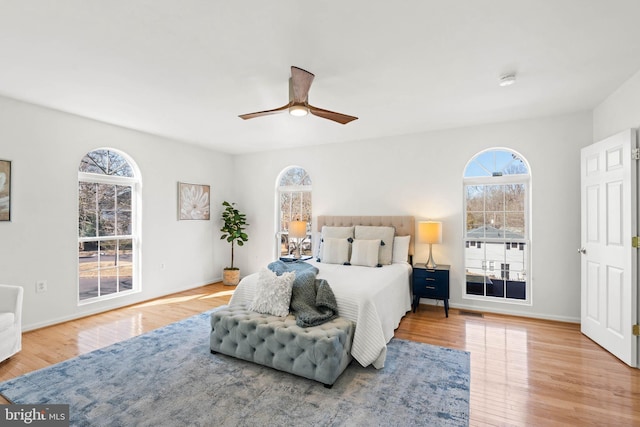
[(298, 105)]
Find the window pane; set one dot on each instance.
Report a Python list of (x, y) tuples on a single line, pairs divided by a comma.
[(105, 162), (475, 281), (108, 281), (495, 222), (515, 224), (475, 198), (295, 176), (108, 267), (494, 197), (88, 270), (125, 264), (496, 163), (475, 224), (514, 197), (106, 206), (87, 209), (285, 210), (123, 213)]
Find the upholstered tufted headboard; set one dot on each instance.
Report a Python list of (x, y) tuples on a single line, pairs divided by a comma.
[(404, 225)]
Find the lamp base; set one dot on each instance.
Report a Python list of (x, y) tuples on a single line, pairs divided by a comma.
[(431, 263)]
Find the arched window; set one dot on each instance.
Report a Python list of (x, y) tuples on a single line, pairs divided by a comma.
[(108, 232), (293, 203), (497, 243)]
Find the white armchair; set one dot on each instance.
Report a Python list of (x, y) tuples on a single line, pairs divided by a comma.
[(10, 320)]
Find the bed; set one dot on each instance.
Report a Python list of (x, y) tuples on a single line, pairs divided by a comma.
[(374, 298)]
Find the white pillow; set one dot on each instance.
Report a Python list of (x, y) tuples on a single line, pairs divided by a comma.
[(385, 234), (401, 249), (273, 293), (335, 251), (333, 233), (365, 252)]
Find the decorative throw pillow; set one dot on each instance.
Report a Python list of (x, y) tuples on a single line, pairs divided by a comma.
[(365, 252), (401, 249), (385, 234), (335, 251), (333, 233), (273, 293)]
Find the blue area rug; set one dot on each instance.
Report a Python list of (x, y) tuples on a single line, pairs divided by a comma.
[(168, 377)]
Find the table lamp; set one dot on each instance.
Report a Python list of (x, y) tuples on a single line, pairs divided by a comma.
[(298, 230), (430, 232)]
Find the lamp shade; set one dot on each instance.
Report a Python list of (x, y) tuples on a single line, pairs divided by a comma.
[(298, 229), (430, 232)]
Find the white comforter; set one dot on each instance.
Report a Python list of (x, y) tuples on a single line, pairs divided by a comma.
[(375, 299)]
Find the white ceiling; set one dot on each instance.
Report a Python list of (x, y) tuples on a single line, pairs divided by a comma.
[(185, 69)]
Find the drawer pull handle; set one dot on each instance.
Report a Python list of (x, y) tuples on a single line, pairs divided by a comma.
[(429, 287), (430, 279), (431, 271)]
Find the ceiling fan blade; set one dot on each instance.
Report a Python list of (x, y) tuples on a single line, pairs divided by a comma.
[(331, 115), (265, 113), (300, 83)]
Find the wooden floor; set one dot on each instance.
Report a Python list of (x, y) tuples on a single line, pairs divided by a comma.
[(524, 372)]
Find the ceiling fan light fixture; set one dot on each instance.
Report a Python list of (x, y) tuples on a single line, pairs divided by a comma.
[(298, 110)]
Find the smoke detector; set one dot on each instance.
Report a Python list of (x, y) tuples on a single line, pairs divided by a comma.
[(507, 79)]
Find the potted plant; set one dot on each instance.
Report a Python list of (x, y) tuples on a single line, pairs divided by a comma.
[(233, 231)]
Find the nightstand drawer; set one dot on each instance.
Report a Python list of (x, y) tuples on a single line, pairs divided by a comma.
[(429, 288)]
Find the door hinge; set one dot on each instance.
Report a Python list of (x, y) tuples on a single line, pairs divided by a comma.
[(634, 242), (635, 330), (635, 154)]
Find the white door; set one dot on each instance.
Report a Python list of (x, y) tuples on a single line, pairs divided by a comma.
[(609, 262)]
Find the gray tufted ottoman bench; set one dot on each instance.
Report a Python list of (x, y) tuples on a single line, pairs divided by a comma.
[(319, 353)]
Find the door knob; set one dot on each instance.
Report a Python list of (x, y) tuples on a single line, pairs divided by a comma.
[(582, 251)]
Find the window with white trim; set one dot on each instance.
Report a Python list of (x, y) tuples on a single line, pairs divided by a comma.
[(497, 218), (293, 201), (108, 239)]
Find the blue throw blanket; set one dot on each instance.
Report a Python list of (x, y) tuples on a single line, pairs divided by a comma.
[(312, 300)]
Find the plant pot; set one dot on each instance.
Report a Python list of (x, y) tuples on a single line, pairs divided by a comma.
[(230, 277)]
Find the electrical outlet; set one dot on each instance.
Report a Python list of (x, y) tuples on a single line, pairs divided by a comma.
[(41, 286)]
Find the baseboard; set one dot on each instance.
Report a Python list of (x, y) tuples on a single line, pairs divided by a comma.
[(507, 312), (105, 308)]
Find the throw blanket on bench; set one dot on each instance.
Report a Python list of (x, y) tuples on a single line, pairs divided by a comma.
[(312, 300)]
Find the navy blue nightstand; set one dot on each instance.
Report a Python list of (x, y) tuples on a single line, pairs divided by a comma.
[(432, 283)]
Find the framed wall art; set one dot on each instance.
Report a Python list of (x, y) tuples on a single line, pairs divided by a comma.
[(5, 190), (193, 201)]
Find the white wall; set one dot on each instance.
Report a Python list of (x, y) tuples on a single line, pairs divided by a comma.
[(421, 175), (416, 174), (620, 111), (40, 242)]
